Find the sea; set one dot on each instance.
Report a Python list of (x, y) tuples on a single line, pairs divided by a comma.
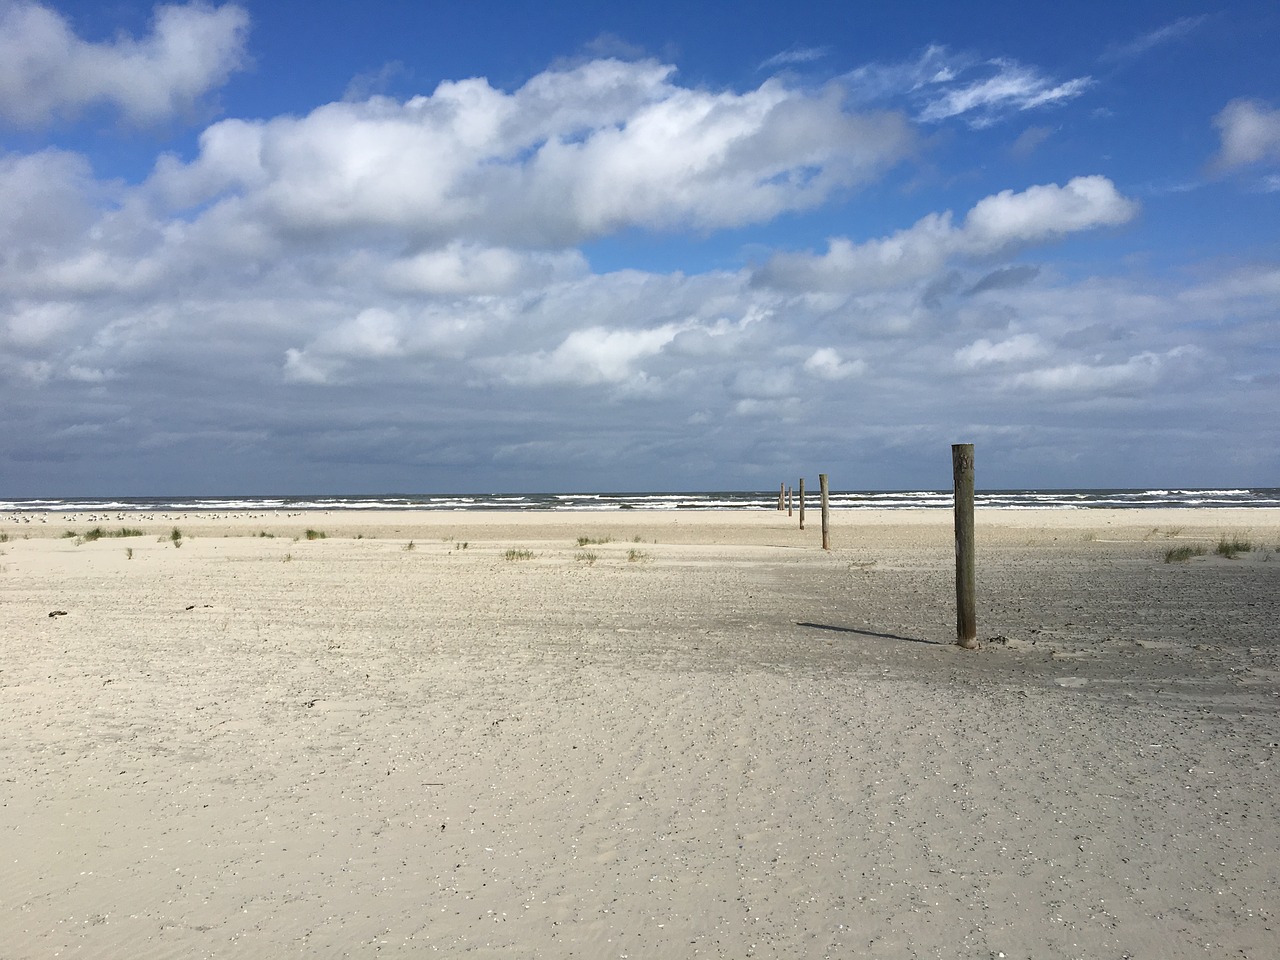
[(705, 500)]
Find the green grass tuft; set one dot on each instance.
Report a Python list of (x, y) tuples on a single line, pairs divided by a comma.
[(1178, 554), (514, 554), (1229, 547), (586, 556), (637, 556), (592, 541), (315, 534)]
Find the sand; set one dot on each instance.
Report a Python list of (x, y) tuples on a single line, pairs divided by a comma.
[(705, 737)]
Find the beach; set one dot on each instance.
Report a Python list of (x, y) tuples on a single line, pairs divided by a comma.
[(637, 734)]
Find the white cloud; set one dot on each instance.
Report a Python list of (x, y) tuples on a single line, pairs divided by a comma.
[(572, 154), (1016, 349), (299, 367), (594, 355), (46, 71), (1137, 374), (943, 85), (465, 268), (827, 364), (1250, 131), (39, 323), (420, 258), (1013, 88), (1000, 223), (46, 200), (794, 55), (1170, 32)]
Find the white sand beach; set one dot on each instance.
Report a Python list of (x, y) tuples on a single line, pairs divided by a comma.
[(696, 735)]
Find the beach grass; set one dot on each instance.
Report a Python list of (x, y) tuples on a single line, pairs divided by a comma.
[(1179, 554), (518, 554), (97, 533), (1229, 547)]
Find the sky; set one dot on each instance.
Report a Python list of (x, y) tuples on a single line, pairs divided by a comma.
[(286, 247)]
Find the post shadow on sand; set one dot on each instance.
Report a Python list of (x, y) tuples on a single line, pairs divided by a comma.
[(867, 633)]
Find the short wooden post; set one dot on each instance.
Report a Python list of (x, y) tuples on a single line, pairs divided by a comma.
[(826, 512), (789, 501), (782, 493), (966, 602), (802, 503)]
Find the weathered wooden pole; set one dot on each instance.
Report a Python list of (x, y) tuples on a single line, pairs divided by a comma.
[(826, 512), (782, 494), (802, 503), (966, 602), (789, 511)]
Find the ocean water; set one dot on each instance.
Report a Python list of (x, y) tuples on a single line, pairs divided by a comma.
[(707, 500)]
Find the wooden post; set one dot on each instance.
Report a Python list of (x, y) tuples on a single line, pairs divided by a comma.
[(782, 493), (788, 501), (802, 503), (966, 602), (826, 512)]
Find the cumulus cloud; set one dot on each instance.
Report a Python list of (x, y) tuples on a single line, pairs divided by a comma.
[(421, 265), (1004, 278), (572, 154), (942, 85), (827, 364), (1016, 349), (1250, 131), (459, 269), (593, 355), (1133, 375), (1001, 223), (46, 71)]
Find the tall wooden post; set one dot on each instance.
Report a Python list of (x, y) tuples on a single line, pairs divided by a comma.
[(789, 501), (782, 495), (826, 512), (802, 503), (966, 587)]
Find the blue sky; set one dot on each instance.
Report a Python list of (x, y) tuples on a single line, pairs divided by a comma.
[(327, 247)]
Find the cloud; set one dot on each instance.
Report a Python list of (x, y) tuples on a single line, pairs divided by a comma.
[(998, 224), (459, 269), (1250, 131), (416, 265), (827, 364), (794, 55), (1005, 278), (572, 154), (1015, 349), (1010, 88), (1029, 141), (1169, 33), (1134, 375), (594, 355), (47, 72), (941, 85)]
